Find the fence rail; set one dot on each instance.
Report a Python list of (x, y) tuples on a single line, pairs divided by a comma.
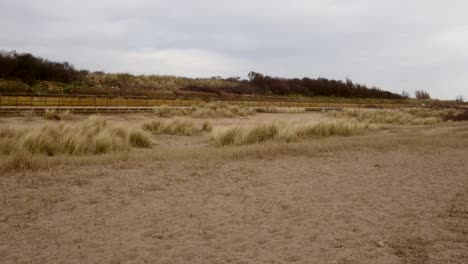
[(21, 101)]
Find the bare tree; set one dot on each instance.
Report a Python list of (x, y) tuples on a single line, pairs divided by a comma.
[(421, 94)]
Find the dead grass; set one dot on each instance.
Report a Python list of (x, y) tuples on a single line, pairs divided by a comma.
[(275, 109), (25, 148), (283, 131), (210, 110), (386, 116), (53, 114), (178, 126), (459, 115)]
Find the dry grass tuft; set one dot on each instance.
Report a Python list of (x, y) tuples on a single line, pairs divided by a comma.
[(164, 111), (210, 110), (181, 127), (386, 116), (283, 132), (456, 115), (52, 114), (139, 139), (23, 160), (93, 136), (275, 109)]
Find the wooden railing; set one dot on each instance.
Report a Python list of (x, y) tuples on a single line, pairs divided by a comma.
[(24, 101)]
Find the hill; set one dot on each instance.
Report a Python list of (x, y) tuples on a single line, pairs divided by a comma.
[(26, 73)]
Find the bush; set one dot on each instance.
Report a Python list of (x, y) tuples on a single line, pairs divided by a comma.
[(11, 86)]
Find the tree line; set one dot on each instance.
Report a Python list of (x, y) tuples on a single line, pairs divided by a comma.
[(30, 69), (264, 84)]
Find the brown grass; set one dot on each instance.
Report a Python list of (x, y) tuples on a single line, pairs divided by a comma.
[(386, 116), (178, 126), (283, 131), (275, 109), (210, 110), (91, 137), (53, 114)]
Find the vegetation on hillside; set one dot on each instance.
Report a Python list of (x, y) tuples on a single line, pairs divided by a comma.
[(26, 73)]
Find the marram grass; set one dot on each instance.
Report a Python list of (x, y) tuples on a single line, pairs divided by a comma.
[(283, 131), (93, 136)]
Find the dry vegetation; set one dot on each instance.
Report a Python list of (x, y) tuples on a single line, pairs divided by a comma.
[(53, 114), (181, 127), (401, 117), (394, 195), (276, 109), (92, 137), (210, 110), (283, 131)]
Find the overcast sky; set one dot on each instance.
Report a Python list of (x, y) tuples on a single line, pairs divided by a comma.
[(396, 45)]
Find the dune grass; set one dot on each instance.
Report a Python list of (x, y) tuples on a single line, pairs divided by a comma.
[(395, 116), (283, 131), (178, 126), (53, 114), (276, 109), (210, 110), (93, 136)]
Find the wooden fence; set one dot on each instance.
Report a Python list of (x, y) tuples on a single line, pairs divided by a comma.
[(24, 101)]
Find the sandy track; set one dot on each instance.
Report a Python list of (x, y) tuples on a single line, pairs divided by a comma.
[(352, 206)]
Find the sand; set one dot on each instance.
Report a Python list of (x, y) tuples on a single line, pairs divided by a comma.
[(393, 203)]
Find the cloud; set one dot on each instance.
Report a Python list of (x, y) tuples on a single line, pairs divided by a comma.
[(396, 45), (188, 62)]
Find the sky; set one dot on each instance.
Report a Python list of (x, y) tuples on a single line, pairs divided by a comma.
[(396, 45)]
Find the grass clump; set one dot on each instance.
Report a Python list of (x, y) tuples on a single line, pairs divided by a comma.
[(91, 137), (180, 127), (53, 114), (386, 116), (275, 109), (164, 111), (283, 131), (210, 110), (139, 139)]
